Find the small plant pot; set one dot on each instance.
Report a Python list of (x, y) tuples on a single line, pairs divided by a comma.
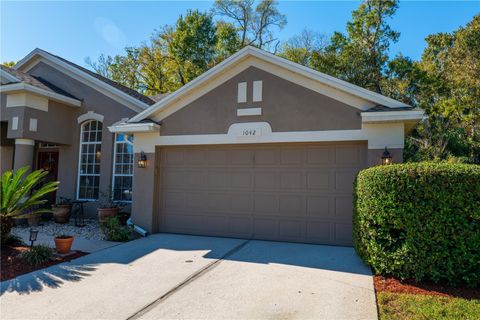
[(63, 244), (104, 213), (61, 213), (34, 220)]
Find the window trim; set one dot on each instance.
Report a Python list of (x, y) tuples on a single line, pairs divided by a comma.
[(114, 163), (80, 144)]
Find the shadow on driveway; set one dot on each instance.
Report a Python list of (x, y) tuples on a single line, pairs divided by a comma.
[(342, 259)]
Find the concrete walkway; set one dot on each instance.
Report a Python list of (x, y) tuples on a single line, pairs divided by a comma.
[(174, 276), (85, 245)]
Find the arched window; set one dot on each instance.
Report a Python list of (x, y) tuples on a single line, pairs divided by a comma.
[(89, 161), (123, 167)]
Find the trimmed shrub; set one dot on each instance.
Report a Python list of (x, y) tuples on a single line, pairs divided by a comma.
[(420, 221), (114, 231)]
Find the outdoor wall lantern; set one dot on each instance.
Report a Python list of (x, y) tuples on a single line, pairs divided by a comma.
[(33, 236), (142, 160), (386, 157)]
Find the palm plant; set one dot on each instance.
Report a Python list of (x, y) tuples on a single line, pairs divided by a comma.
[(17, 196)]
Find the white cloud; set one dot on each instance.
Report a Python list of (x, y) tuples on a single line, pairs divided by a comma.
[(109, 31)]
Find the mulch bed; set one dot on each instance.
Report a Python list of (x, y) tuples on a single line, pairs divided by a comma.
[(12, 265), (425, 288)]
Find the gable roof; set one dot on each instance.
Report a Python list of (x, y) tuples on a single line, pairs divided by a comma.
[(321, 79), (19, 81), (22, 77), (113, 89)]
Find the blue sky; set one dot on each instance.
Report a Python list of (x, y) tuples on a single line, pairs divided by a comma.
[(75, 30)]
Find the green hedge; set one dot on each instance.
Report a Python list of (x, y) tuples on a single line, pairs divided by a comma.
[(420, 221)]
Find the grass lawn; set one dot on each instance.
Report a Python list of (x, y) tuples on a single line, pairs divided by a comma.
[(417, 306)]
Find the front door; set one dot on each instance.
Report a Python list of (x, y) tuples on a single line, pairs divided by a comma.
[(48, 160)]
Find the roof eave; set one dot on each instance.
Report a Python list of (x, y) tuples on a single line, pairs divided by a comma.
[(18, 87), (126, 99), (134, 127)]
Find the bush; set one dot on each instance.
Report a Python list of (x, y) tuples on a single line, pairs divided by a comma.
[(37, 255), (420, 221), (114, 231), (12, 240)]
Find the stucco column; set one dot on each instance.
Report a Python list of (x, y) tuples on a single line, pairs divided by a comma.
[(145, 194), (24, 151)]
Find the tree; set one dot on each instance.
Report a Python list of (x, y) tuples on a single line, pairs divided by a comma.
[(254, 25), (9, 64), (360, 56), (303, 46), (450, 89), (17, 195), (192, 45)]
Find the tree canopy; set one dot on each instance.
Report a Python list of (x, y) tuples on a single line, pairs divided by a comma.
[(445, 82)]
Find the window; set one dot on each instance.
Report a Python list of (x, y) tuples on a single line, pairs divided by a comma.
[(89, 162), (123, 167)]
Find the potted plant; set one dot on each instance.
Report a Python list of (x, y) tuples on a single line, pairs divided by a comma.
[(62, 210), (107, 208), (34, 219), (18, 195), (63, 243)]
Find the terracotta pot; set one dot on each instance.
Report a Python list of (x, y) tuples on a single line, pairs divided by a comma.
[(104, 213), (63, 244), (61, 213), (34, 220)]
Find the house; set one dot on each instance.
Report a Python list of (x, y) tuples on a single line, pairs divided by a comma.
[(55, 115), (260, 147), (256, 147)]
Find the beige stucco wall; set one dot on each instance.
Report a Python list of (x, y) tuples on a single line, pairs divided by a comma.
[(63, 118), (145, 193)]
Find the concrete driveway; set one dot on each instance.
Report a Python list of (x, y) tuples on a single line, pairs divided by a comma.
[(169, 276)]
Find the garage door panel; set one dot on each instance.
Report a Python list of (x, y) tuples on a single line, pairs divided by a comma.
[(240, 226), (319, 206), (319, 232), (174, 201), (292, 205), (265, 203), (344, 207), (218, 178), (295, 180), (344, 180), (196, 202), (292, 156), (319, 156), (242, 179), (289, 192), (264, 228), (268, 156), (218, 201), (266, 180), (350, 155), (319, 179), (343, 233), (291, 229)]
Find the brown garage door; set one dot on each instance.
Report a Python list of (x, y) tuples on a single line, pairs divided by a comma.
[(286, 192)]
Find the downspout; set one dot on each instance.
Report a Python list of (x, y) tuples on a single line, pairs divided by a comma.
[(136, 228)]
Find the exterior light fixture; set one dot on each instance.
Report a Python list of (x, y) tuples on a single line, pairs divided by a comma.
[(386, 157), (142, 160), (33, 236)]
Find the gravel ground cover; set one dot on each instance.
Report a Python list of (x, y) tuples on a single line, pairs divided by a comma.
[(90, 231)]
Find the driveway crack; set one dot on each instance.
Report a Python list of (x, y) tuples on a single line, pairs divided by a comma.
[(194, 276)]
